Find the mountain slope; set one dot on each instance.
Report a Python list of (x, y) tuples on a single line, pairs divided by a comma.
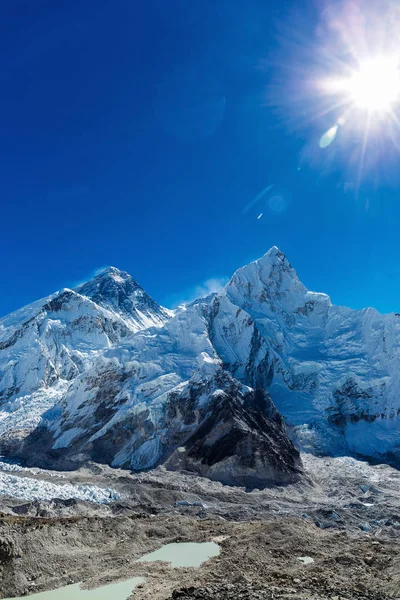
[(185, 394), (120, 294), (333, 372), (150, 400), (45, 345)]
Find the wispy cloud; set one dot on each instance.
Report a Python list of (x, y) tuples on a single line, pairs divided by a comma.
[(210, 286), (92, 274), (99, 270), (213, 285)]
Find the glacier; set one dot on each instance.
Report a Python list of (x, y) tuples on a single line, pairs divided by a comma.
[(24, 484), (29, 488)]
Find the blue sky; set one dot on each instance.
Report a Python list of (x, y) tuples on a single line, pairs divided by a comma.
[(135, 134)]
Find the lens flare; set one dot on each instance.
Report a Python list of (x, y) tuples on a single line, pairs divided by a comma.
[(328, 137), (338, 80)]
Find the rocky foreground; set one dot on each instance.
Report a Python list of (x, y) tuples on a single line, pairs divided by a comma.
[(345, 516)]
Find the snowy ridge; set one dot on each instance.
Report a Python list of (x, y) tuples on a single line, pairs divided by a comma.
[(332, 371), (45, 345)]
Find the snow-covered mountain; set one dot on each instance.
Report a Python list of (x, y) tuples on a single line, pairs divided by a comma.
[(147, 401), (195, 393), (45, 345), (332, 372), (122, 296)]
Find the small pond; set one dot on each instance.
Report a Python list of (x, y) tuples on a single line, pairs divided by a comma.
[(189, 554), (113, 591), (179, 555)]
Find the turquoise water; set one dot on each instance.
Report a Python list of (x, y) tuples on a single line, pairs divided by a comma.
[(183, 555), (179, 555), (113, 591)]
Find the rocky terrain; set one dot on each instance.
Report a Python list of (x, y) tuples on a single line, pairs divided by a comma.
[(344, 515)]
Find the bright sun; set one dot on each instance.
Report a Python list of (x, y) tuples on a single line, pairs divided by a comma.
[(355, 77), (375, 85)]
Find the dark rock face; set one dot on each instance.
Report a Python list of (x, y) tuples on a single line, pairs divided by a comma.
[(218, 429), (351, 404), (7, 550), (240, 441), (36, 450), (117, 290)]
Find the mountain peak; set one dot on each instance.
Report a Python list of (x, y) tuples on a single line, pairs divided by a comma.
[(274, 251), (272, 266), (109, 281), (273, 256), (269, 283), (112, 272), (117, 291)]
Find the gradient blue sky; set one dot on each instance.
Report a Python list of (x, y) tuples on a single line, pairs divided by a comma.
[(134, 134)]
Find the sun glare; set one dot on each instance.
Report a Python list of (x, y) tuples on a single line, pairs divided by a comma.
[(346, 81), (372, 88), (375, 85)]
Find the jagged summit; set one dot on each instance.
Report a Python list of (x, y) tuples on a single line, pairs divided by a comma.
[(118, 292), (112, 272), (274, 251), (271, 286), (45, 345), (274, 256), (272, 262), (110, 269), (108, 273)]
